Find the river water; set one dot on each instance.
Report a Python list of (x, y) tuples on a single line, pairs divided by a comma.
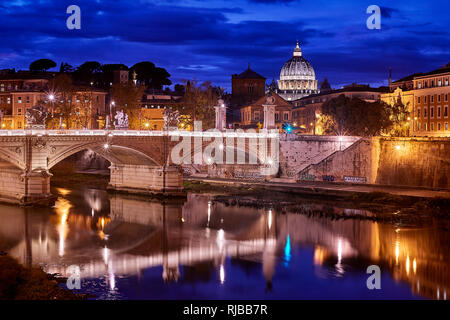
[(133, 248)]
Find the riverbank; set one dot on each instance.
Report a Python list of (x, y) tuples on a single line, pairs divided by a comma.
[(384, 206), (30, 283)]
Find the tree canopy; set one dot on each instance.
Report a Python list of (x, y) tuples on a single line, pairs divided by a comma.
[(42, 65), (150, 75), (353, 116)]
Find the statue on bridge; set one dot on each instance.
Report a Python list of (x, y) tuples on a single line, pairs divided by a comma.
[(35, 117), (121, 120)]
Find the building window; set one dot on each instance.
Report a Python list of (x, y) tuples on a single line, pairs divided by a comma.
[(256, 115), (446, 111), (286, 116), (446, 126), (19, 111), (419, 84), (8, 100), (19, 125), (446, 82), (432, 126), (446, 97), (426, 127), (439, 98), (432, 98), (28, 99), (439, 112), (432, 112), (425, 112), (439, 126), (425, 99), (439, 83), (418, 126), (277, 116), (2, 86), (19, 99), (418, 99)]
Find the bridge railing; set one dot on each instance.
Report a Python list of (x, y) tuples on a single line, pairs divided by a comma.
[(143, 133)]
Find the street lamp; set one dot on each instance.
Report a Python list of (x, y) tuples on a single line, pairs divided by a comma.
[(111, 111)]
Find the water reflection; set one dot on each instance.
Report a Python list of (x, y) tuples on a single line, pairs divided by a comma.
[(116, 237)]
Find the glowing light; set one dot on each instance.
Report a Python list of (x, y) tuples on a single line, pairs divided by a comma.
[(147, 124), (105, 255), (3, 125), (221, 147), (270, 161), (407, 265), (113, 103), (269, 219), (209, 160), (287, 249), (222, 274), (397, 251), (92, 212), (397, 147), (340, 139), (112, 280), (63, 192), (51, 97), (182, 219), (220, 238), (414, 265), (106, 146), (209, 213), (409, 118)]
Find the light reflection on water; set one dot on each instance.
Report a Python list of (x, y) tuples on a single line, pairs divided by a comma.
[(130, 247)]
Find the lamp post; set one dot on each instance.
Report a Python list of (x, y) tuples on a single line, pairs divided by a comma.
[(111, 107), (51, 97)]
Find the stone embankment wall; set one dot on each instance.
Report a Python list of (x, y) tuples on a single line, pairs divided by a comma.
[(423, 162)]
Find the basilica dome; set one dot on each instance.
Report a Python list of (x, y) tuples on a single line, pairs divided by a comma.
[(297, 77), (297, 68)]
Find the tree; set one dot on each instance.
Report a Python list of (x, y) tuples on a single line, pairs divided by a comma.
[(150, 75), (353, 116), (42, 65), (127, 97), (198, 104), (64, 91), (144, 71), (179, 89), (66, 68), (87, 72), (399, 117)]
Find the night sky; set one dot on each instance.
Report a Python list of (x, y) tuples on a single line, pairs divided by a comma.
[(212, 39)]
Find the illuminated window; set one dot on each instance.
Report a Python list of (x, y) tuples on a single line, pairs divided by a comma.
[(19, 99), (446, 126)]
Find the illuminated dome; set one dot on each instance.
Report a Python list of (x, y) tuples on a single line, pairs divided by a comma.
[(297, 77)]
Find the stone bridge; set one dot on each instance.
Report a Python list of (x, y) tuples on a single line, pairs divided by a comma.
[(141, 161)]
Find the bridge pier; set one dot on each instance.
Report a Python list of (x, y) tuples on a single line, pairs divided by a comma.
[(146, 179), (25, 187)]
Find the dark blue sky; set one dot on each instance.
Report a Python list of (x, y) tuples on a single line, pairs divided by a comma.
[(212, 39)]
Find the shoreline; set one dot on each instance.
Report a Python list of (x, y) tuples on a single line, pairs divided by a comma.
[(18, 282)]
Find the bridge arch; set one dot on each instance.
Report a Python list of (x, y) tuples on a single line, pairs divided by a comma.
[(116, 154), (11, 159)]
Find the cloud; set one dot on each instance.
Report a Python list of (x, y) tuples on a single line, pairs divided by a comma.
[(209, 41)]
